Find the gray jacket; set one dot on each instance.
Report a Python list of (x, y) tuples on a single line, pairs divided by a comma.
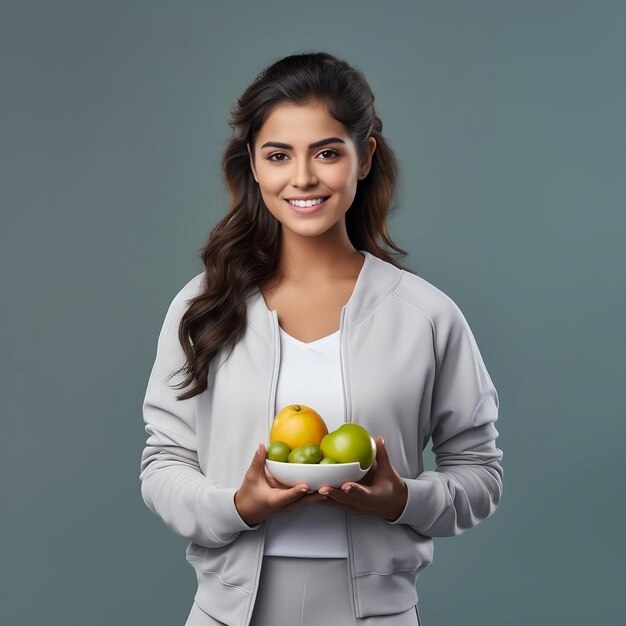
[(411, 371)]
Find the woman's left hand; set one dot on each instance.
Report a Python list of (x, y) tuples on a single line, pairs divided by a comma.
[(381, 492)]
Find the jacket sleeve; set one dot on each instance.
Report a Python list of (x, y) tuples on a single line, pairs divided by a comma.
[(172, 483), (466, 486)]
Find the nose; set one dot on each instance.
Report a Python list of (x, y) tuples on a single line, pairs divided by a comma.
[(303, 174)]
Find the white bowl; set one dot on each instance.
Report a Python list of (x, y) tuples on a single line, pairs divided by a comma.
[(315, 475)]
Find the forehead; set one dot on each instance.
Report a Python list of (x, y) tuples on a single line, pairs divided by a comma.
[(300, 123)]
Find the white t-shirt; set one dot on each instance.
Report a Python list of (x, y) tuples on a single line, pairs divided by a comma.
[(310, 374)]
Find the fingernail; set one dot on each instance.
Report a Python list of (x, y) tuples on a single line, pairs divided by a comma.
[(324, 493), (304, 489), (346, 489)]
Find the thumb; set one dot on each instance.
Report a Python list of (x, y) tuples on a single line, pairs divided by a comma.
[(290, 496), (381, 452), (383, 459), (257, 464)]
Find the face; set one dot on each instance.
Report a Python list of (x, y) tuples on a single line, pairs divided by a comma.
[(316, 159)]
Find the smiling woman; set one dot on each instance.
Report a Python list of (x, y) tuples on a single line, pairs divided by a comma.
[(307, 177), (301, 303)]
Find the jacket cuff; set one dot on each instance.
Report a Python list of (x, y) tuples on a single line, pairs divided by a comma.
[(225, 521), (424, 503)]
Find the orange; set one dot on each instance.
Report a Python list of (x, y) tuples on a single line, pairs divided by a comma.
[(297, 425)]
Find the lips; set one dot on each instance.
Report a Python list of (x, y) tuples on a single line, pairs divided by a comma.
[(308, 209)]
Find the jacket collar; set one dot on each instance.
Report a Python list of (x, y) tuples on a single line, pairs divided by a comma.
[(375, 280)]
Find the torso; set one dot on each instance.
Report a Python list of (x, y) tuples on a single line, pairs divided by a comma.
[(308, 314)]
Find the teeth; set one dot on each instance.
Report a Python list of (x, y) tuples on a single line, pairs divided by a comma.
[(305, 203)]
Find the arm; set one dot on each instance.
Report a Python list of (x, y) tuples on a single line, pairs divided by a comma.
[(467, 485), (172, 483)]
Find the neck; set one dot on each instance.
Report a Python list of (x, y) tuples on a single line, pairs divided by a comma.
[(308, 261)]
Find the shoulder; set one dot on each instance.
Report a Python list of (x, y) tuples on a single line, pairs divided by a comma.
[(437, 305), (451, 330), (189, 290), (175, 311), (179, 303), (422, 297)]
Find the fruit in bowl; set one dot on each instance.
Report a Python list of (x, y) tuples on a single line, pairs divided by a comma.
[(349, 443), (302, 450), (278, 451), (298, 424), (308, 453)]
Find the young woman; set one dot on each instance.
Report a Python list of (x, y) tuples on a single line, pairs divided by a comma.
[(301, 302)]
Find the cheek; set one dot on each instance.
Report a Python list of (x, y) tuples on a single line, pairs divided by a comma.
[(341, 177), (271, 179)]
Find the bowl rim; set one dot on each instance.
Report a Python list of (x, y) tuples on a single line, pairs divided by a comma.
[(352, 463)]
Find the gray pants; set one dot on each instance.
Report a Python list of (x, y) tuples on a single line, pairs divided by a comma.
[(306, 592)]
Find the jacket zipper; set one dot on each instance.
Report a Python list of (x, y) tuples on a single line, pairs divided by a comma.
[(270, 417), (342, 335), (347, 410)]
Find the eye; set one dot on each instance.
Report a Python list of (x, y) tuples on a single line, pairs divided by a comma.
[(269, 158), (332, 152)]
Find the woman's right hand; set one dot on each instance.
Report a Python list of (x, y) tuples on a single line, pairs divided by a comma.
[(261, 495)]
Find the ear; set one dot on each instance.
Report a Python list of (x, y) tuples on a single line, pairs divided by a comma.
[(252, 162), (366, 164)]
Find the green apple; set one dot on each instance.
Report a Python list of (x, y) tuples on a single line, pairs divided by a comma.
[(348, 444)]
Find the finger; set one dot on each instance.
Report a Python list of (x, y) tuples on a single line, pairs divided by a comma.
[(258, 460), (350, 493), (369, 477), (273, 482), (334, 492), (284, 497), (352, 497), (381, 451), (386, 466)]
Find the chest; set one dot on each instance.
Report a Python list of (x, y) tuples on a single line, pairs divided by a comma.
[(312, 313)]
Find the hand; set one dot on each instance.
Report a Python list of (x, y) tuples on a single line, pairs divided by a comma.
[(381, 492), (261, 495)]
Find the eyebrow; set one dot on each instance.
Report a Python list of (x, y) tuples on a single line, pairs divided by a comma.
[(316, 144)]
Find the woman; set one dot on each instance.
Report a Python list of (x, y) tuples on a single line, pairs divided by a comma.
[(301, 302)]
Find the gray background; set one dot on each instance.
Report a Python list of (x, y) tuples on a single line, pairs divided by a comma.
[(508, 120)]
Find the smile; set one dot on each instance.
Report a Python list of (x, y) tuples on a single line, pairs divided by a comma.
[(307, 207), (307, 203)]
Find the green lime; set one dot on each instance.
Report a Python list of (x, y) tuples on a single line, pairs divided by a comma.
[(327, 461), (278, 451), (308, 453)]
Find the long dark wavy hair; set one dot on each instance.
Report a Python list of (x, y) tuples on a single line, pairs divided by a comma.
[(242, 251)]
